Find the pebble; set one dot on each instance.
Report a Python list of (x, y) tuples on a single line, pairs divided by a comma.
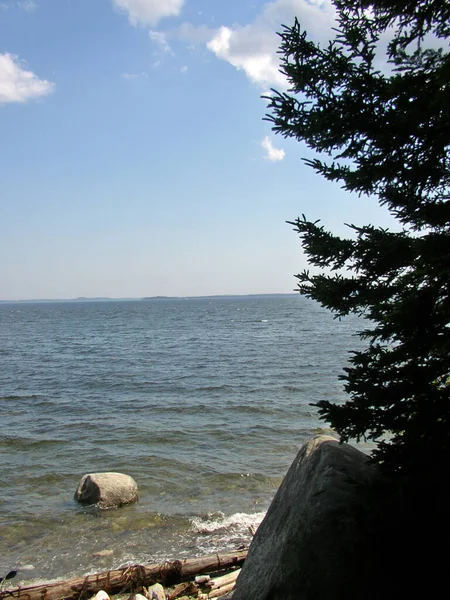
[(101, 595), (156, 592)]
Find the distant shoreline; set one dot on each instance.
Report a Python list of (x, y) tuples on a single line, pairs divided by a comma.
[(143, 299)]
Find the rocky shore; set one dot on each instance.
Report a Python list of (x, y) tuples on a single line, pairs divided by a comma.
[(310, 545)]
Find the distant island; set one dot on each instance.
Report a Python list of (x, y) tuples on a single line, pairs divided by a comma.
[(47, 300), (145, 298)]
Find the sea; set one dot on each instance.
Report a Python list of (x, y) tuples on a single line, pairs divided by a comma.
[(203, 401)]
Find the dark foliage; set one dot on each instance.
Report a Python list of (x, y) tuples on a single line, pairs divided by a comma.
[(384, 133)]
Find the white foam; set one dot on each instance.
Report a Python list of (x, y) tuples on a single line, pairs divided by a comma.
[(238, 521)]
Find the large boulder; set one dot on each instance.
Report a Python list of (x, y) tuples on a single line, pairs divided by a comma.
[(107, 490), (310, 545)]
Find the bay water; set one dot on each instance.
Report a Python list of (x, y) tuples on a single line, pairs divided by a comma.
[(203, 401)]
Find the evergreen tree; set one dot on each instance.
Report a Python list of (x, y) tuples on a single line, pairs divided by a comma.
[(386, 133)]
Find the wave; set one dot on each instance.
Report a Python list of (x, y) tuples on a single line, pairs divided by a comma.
[(219, 522), (13, 441), (13, 397)]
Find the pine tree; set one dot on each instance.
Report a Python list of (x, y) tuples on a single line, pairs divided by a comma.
[(386, 133)]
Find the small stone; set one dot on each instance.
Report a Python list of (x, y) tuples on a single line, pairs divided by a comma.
[(156, 592), (20, 567), (101, 595)]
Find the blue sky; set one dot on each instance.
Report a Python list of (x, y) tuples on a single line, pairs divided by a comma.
[(134, 159)]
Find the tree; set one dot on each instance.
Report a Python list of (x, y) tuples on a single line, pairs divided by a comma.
[(386, 133)]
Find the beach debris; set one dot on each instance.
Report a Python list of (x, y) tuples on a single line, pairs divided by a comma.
[(202, 578), (219, 586), (187, 588), (129, 579), (217, 593), (141, 597), (216, 587), (224, 580)]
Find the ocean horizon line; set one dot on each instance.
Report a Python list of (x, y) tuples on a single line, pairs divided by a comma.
[(82, 299)]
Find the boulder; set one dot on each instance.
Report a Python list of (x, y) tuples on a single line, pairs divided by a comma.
[(310, 545), (107, 490)]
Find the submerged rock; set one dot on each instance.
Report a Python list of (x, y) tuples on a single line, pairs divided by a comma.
[(310, 545), (102, 553), (107, 490)]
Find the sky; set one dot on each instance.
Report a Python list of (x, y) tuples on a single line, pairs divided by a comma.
[(134, 158)]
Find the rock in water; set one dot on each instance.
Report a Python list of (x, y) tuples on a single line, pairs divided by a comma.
[(310, 545), (107, 490)]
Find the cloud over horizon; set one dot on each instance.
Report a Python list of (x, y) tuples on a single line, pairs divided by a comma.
[(19, 85)]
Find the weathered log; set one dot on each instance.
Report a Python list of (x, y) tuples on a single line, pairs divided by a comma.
[(219, 582), (129, 579), (221, 591), (218, 592), (188, 588)]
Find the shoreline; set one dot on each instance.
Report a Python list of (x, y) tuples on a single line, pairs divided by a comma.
[(131, 579)]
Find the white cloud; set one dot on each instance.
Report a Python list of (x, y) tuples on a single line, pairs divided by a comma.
[(160, 40), (19, 85), (27, 5), (149, 12), (142, 75), (256, 57), (195, 34), (253, 48), (3, 6), (273, 154), (184, 69)]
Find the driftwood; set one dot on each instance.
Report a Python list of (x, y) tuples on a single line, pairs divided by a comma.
[(219, 582), (218, 592), (219, 586), (132, 578), (188, 588)]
